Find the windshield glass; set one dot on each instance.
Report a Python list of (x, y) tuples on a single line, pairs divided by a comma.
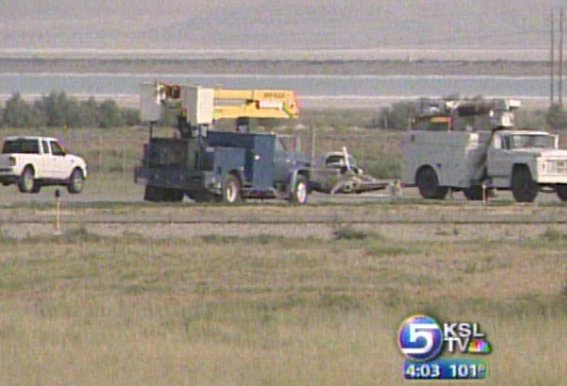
[(56, 149), (528, 141), (340, 160), (21, 146)]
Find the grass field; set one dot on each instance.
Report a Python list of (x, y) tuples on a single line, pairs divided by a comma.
[(128, 309), (264, 310)]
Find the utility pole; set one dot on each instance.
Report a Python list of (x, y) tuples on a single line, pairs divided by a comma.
[(552, 61), (561, 57), (313, 144)]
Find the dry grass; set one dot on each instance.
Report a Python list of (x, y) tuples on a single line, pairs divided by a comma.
[(116, 152), (91, 310)]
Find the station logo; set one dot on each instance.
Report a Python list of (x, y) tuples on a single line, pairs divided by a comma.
[(422, 338)]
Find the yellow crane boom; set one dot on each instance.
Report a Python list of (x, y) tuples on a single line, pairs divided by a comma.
[(255, 104), (205, 105)]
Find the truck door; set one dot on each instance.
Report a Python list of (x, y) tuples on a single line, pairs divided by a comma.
[(61, 163), (283, 160), (263, 161), (44, 165), (499, 156)]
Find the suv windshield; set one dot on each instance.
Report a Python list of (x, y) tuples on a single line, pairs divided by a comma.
[(21, 146), (528, 141)]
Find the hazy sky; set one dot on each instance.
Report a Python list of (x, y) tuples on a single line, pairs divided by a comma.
[(300, 24)]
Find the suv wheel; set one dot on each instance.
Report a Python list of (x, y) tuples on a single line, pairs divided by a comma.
[(76, 182), (26, 182)]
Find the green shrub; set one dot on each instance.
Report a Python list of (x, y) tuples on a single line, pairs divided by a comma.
[(384, 168), (340, 302), (552, 234), (557, 117), (349, 233), (396, 117), (340, 119), (19, 113), (59, 110)]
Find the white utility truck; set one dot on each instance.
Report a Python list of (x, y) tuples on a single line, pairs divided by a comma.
[(450, 149), (33, 162)]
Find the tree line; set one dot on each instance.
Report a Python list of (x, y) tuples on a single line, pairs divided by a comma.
[(60, 110)]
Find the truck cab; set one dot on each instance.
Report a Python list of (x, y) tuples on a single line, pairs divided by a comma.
[(527, 161), (510, 148)]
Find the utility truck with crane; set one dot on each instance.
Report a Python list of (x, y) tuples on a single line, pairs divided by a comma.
[(473, 146), (209, 165)]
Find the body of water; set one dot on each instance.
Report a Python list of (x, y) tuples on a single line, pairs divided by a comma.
[(308, 87)]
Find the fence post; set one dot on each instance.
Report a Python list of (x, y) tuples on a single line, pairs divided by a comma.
[(100, 153), (123, 157)]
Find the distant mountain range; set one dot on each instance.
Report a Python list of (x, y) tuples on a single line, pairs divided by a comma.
[(275, 24)]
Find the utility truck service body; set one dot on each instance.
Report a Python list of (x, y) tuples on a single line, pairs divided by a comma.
[(223, 166), (523, 161)]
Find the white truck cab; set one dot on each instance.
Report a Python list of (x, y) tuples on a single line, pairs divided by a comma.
[(523, 161), (537, 150), (32, 162)]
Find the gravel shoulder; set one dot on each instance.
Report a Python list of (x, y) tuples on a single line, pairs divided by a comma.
[(452, 221)]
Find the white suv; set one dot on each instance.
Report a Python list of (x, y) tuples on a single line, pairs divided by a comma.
[(33, 162)]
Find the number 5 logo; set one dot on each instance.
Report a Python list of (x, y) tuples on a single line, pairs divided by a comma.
[(420, 338)]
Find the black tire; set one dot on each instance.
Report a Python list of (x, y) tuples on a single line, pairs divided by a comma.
[(36, 187), (76, 182), (159, 194), (428, 184), (524, 188), (561, 191), (473, 193), (153, 193), (201, 197), (172, 195), (231, 192), (26, 182), (300, 191)]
